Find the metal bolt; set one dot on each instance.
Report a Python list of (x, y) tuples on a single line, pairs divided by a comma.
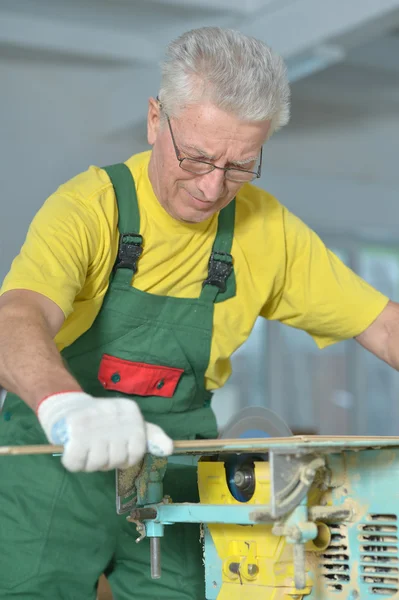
[(234, 567), (155, 553), (239, 478), (253, 569)]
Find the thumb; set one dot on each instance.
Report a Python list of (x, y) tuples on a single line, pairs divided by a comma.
[(158, 443)]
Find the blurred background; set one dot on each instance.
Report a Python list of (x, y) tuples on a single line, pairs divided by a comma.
[(75, 76)]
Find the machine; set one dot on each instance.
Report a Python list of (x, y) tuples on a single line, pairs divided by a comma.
[(282, 517), (290, 517)]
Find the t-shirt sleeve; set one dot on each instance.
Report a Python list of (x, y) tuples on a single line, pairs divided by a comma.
[(57, 252), (320, 294)]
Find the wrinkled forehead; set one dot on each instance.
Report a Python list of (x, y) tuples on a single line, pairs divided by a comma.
[(213, 131)]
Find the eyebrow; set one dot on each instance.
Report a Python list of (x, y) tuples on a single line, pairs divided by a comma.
[(210, 157)]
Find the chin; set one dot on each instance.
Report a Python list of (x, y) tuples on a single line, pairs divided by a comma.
[(193, 215), (189, 216)]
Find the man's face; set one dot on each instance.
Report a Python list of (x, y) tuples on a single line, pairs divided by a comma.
[(207, 133)]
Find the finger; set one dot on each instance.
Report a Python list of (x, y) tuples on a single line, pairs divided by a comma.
[(74, 457), (158, 443), (121, 456), (98, 456)]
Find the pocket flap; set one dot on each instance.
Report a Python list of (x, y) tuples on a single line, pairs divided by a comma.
[(141, 379)]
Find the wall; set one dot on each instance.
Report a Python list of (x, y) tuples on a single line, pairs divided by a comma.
[(54, 121)]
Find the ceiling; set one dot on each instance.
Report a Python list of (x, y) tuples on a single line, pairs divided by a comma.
[(137, 30), (342, 57)]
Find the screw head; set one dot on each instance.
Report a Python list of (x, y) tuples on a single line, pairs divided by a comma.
[(253, 569)]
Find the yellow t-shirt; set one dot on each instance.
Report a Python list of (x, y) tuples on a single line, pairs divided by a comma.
[(283, 270)]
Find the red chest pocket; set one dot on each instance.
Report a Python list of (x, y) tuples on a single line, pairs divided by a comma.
[(141, 379)]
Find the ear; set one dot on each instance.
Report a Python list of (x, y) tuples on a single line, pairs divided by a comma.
[(153, 120)]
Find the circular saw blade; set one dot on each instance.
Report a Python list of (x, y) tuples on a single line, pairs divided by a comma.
[(251, 422), (255, 422)]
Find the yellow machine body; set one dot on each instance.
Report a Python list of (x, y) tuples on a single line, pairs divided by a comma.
[(256, 564)]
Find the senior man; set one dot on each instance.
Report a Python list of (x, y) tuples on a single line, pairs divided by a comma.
[(118, 318)]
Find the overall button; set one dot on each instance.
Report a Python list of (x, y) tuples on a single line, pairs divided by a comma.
[(115, 377), (160, 384)]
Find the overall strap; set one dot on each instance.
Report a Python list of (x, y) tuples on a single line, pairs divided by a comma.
[(130, 240), (220, 268)]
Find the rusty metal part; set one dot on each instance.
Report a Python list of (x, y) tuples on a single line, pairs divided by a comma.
[(142, 514), (125, 483)]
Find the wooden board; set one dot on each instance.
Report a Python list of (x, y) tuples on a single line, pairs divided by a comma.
[(317, 442)]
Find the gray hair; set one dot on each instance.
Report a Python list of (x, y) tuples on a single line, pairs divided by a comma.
[(237, 73)]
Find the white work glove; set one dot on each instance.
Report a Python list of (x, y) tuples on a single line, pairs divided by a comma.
[(100, 434)]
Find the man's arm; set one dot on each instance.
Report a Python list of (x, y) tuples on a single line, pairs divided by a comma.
[(382, 336), (97, 433), (30, 364)]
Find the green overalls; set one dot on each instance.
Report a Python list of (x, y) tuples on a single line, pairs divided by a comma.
[(59, 531)]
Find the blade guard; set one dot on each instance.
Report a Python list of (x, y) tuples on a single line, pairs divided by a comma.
[(251, 422)]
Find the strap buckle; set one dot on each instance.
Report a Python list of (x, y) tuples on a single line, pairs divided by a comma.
[(219, 269), (130, 250)]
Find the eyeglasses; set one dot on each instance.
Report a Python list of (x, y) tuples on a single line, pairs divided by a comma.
[(202, 167)]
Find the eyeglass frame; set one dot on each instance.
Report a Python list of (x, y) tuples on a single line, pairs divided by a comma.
[(256, 174)]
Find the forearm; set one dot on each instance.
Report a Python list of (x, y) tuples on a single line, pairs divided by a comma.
[(382, 336), (391, 354), (30, 364)]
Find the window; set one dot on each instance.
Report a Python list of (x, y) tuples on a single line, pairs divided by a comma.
[(341, 390)]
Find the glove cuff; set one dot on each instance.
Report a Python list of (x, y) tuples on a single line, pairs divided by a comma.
[(56, 395), (54, 408)]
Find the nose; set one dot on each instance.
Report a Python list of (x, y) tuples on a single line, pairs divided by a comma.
[(211, 185)]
